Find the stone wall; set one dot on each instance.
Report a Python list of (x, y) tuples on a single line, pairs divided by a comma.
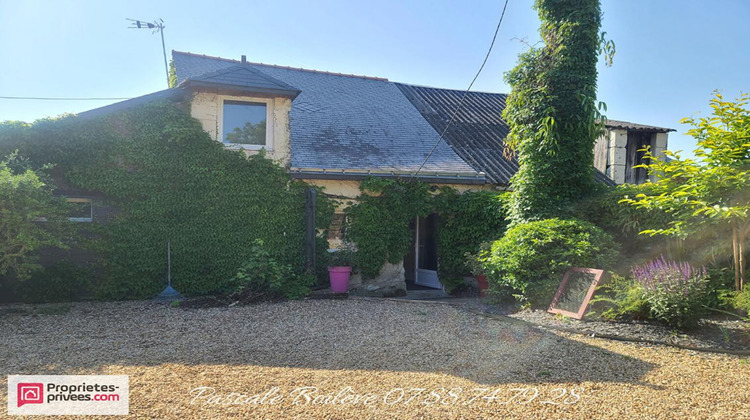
[(390, 282), (610, 152), (207, 107)]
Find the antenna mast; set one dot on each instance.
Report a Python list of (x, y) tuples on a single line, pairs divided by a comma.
[(156, 26)]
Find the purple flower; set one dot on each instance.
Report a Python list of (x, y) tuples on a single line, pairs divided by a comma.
[(672, 277)]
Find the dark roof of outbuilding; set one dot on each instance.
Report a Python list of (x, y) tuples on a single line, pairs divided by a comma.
[(636, 127), (477, 131), (343, 125), (242, 77)]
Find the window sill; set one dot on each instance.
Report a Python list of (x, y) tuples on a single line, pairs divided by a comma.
[(236, 146)]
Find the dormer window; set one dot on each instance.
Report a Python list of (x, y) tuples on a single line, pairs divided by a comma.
[(245, 124)]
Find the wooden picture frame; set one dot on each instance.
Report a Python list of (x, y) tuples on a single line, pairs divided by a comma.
[(575, 292)]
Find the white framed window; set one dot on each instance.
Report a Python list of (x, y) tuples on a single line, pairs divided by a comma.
[(245, 123), (82, 210)]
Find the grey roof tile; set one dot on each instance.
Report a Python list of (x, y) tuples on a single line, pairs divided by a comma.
[(342, 122), (242, 76)]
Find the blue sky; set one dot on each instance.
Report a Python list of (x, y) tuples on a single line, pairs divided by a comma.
[(671, 54)]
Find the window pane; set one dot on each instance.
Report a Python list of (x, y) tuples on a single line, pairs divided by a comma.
[(80, 210), (244, 123)]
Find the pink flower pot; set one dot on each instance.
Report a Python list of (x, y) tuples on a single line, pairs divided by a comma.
[(339, 278)]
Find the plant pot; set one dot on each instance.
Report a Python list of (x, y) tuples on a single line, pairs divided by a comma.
[(483, 285), (339, 278)]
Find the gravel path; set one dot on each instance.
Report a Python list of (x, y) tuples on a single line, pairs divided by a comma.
[(364, 359)]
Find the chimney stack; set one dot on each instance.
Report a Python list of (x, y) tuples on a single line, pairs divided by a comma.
[(244, 59)]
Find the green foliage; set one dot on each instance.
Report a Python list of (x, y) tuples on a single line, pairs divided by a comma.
[(379, 221), (61, 282), (713, 189), (172, 74), (465, 221), (664, 293), (343, 256), (741, 300), (678, 310), (26, 201), (379, 224), (551, 110), (532, 257), (169, 181), (710, 193), (262, 277), (621, 298)]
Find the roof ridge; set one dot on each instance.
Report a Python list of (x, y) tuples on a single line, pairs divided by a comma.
[(240, 67), (454, 90), (255, 63)]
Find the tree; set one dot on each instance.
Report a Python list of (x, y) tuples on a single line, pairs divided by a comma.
[(715, 189), (551, 110), (30, 217), (249, 134)]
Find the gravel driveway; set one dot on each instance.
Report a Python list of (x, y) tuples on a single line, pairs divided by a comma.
[(363, 359)]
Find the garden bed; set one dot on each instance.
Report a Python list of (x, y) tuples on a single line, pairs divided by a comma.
[(712, 333)]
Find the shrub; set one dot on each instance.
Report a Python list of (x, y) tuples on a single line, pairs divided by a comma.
[(531, 258), (621, 298), (676, 292), (343, 256), (25, 199), (262, 277), (62, 282), (741, 300)]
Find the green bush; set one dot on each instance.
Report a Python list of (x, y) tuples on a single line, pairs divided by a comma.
[(62, 282), (262, 277), (343, 256), (741, 300), (531, 258), (621, 298)]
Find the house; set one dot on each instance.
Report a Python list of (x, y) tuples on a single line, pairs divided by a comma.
[(333, 130)]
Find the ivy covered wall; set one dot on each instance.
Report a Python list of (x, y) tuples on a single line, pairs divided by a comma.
[(379, 224), (169, 180)]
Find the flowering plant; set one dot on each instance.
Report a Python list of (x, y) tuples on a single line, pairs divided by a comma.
[(676, 291)]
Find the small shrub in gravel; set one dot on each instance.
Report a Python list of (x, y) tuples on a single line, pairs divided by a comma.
[(262, 277), (676, 292)]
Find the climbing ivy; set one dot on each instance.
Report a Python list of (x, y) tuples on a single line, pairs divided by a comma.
[(551, 110), (465, 221), (172, 74), (379, 221), (168, 180)]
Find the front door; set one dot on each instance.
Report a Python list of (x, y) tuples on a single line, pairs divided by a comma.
[(426, 252)]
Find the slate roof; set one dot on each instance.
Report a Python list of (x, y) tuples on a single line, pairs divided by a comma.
[(242, 77), (343, 124), (174, 95)]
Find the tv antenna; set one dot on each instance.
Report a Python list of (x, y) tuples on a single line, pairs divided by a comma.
[(156, 26)]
